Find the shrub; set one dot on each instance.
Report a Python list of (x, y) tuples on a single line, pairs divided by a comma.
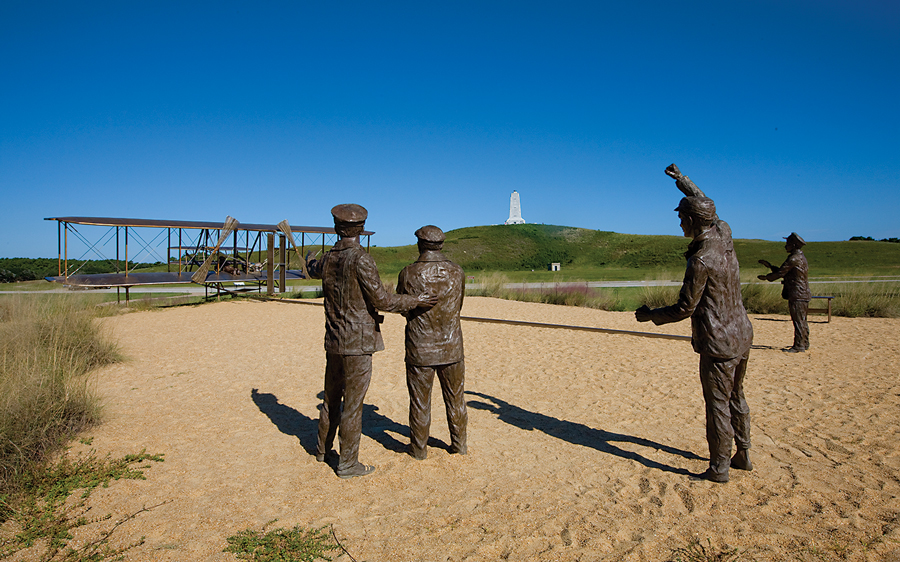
[(656, 296), (763, 298), (47, 347), (498, 285), (880, 300)]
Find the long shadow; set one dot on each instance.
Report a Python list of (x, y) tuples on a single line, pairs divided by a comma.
[(579, 434), (377, 426), (288, 420)]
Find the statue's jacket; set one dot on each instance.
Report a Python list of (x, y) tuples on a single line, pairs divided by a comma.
[(794, 275), (434, 336), (711, 296), (353, 296)]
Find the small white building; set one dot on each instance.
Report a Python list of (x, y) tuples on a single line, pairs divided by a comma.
[(554, 266)]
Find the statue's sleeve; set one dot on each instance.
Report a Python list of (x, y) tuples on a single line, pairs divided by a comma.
[(314, 268), (695, 277), (785, 268), (374, 291), (689, 188), (402, 285)]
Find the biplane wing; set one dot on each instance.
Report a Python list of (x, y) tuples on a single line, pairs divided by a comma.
[(183, 246)]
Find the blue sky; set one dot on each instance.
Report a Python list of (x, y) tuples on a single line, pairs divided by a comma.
[(784, 112)]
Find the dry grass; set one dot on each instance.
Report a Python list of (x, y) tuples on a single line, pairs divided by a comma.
[(47, 348)]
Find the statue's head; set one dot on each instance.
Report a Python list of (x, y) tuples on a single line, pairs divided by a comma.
[(696, 214), (794, 241), (349, 219), (430, 237)]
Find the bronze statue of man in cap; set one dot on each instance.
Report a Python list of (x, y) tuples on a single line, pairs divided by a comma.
[(794, 273), (353, 296), (434, 342), (721, 331)]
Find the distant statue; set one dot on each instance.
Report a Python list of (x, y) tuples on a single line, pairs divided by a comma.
[(794, 273), (353, 296), (721, 331), (434, 342)]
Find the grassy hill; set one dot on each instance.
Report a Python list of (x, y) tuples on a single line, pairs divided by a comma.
[(528, 249), (593, 254)]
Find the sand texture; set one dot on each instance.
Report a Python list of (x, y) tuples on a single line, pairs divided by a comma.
[(581, 445)]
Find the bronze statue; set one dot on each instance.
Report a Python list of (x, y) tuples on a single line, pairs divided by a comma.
[(794, 273), (434, 342), (353, 296), (721, 331)]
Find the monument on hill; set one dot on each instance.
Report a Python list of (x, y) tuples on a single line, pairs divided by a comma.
[(515, 210)]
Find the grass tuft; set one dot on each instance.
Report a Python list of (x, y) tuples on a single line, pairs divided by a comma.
[(44, 518), (657, 296), (282, 545), (695, 551)]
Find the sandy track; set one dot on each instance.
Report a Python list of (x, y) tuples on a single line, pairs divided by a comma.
[(580, 444)]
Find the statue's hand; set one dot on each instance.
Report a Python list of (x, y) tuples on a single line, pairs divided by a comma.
[(426, 300), (642, 314), (766, 263), (673, 171), (761, 277)]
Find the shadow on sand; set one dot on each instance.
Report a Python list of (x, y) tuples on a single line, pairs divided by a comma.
[(288, 420), (579, 434), (375, 425)]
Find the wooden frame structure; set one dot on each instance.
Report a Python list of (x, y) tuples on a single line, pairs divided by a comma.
[(192, 243)]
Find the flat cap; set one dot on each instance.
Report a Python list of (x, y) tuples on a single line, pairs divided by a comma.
[(349, 213), (702, 207), (430, 233), (795, 239)]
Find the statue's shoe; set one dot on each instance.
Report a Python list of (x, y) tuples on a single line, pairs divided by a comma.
[(359, 469), (713, 476)]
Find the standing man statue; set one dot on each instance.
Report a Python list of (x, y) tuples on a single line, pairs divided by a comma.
[(721, 331), (434, 342), (353, 296), (794, 273)]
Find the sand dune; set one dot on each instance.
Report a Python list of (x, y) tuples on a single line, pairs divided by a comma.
[(581, 445)]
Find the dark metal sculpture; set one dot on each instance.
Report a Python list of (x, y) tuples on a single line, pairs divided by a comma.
[(353, 296), (721, 331), (794, 273), (434, 342)]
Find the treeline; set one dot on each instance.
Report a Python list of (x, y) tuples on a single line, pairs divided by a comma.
[(852, 238), (28, 269)]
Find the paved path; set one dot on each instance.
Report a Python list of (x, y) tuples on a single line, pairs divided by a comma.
[(200, 290)]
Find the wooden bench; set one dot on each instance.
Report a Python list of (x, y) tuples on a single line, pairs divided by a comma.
[(822, 310)]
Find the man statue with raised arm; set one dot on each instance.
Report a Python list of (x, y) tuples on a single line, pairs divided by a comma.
[(721, 331)]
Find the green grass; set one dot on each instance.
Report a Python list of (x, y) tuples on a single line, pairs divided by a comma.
[(52, 503), (522, 253), (593, 255), (282, 545)]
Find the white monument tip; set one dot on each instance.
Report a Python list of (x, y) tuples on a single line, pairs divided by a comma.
[(515, 210)]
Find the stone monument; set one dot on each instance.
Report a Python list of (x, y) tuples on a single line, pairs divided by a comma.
[(515, 210)]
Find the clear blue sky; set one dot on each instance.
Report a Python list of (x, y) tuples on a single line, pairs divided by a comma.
[(787, 113)]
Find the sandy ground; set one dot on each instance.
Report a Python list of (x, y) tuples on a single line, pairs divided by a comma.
[(581, 445)]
